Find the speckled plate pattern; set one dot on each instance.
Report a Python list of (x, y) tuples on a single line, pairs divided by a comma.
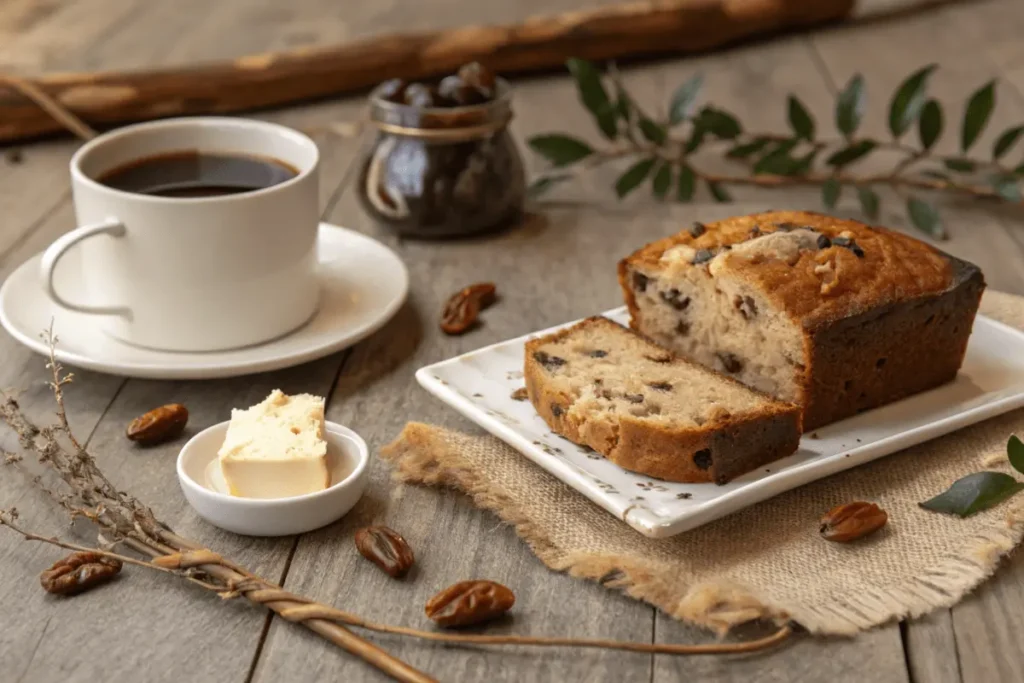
[(480, 385)]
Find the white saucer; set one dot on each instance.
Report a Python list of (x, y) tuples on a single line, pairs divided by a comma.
[(363, 285)]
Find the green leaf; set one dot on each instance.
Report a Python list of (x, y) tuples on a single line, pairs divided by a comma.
[(696, 139), (1008, 187), (799, 119), (748, 149), (907, 102), (960, 165), (1006, 141), (718, 192), (777, 162), (683, 99), (543, 184), (662, 179), (929, 126), (652, 131), (850, 154), (686, 185), (623, 103), (1019, 170), (633, 176), (938, 175), (560, 150), (869, 202), (830, 192), (974, 493), (1015, 451), (925, 217), (719, 123), (804, 163), (979, 109), (594, 96), (850, 106)]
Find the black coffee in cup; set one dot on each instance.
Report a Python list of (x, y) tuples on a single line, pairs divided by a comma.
[(191, 173)]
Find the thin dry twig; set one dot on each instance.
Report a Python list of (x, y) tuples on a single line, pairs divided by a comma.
[(58, 111)]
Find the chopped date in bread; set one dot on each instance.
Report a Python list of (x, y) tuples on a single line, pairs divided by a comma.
[(549, 362), (650, 412)]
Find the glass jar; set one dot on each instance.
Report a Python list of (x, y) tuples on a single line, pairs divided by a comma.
[(443, 171)]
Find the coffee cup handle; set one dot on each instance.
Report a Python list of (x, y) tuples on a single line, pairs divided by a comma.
[(54, 253)]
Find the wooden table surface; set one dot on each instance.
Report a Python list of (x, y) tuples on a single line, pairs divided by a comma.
[(557, 266)]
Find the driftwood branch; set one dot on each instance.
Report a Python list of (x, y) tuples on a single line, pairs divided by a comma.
[(275, 78)]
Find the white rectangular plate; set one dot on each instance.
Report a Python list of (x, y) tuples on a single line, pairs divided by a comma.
[(479, 385)]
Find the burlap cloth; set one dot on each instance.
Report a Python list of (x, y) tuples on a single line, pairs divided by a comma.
[(767, 561)]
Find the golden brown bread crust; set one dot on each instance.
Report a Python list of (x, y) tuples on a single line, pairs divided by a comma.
[(895, 321), (717, 451)]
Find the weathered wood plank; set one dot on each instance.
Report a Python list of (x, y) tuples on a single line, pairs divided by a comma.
[(931, 649), (61, 34), (987, 625)]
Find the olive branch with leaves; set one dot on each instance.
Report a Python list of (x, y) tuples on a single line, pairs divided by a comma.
[(663, 150)]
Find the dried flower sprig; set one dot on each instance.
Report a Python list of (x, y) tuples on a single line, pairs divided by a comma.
[(664, 150), (83, 490)]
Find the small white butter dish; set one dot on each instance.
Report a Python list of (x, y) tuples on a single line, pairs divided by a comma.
[(203, 485)]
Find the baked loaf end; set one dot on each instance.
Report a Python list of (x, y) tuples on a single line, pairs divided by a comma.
[(604, 386), (833, 315)]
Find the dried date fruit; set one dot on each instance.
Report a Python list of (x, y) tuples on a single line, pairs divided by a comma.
[(469, 602), (478, 76), (393, 90), (462, 309), (845, 523), (386, 549), (419, 95), (675, 299), (640, 282), (78, 572), (548, 361), (454, 91), (702, 459), (730, 362), (158, 425)]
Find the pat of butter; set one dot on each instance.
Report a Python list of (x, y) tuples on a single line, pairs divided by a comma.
[(276, 448)]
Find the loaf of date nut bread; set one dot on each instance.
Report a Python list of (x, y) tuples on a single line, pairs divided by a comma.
[(833, 315), (604, 386)]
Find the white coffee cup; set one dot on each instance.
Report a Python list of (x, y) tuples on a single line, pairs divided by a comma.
[(195, 273)]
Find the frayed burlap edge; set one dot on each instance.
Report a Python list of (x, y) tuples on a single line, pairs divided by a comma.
[(422, 454)]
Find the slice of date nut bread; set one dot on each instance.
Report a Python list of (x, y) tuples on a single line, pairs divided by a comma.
[(833, 315), (604, 386)]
